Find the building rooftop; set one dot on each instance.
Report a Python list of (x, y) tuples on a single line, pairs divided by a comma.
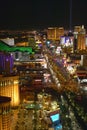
[(7, 48)]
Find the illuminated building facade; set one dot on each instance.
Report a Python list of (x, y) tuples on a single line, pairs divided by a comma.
[(86, 41), (9, 87), (81, 42), (55, 33), (5, 113), (59, 32), (6, 63), (81, 38), (9, 54)]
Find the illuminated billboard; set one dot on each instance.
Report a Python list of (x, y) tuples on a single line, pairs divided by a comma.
[(66, 40), (86, 41), (55, 117)]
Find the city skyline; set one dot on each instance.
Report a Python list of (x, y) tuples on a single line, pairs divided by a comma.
[(42, 13)]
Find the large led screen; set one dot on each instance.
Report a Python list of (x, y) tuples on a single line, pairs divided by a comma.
[(66, 41), (55, 117)]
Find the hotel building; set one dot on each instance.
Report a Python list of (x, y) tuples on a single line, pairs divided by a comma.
[(80, 37), (55, 33), (9, 86), (81, 41), (5, 113)]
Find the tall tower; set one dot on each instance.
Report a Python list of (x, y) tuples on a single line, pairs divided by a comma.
[(70, 17)]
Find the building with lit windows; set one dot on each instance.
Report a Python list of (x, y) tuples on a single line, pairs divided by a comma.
[(5, 113), (55, 33), (9, 86), (6, 63), (81, 39), (59, 32), (81, 42)]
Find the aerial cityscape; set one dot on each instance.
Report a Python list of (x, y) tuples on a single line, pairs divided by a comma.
[(43, 65)]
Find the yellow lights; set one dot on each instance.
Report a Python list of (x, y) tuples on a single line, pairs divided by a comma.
[(16, 82), (71, 69), (16, 99), (54, 105)]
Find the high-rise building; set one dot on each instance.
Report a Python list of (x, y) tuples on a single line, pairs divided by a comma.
[(5, 113), (55, 33), (9, 86), (81, 40)]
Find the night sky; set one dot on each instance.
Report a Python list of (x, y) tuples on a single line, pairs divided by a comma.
[(28, 14)]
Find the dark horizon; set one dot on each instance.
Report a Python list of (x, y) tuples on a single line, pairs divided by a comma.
[(42, 14)]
